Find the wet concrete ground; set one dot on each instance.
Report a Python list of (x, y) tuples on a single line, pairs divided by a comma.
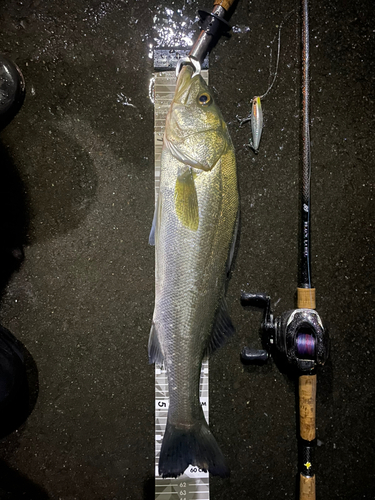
[(77, 193)]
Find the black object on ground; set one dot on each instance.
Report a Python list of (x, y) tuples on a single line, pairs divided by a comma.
[(12, 90)]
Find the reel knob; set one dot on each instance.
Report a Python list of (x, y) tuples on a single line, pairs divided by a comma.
[(258, 300), (254, 355)]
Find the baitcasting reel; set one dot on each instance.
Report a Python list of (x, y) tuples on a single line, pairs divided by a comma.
[(298, 335)]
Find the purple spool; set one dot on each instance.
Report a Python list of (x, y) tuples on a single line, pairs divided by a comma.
[(306, 346)]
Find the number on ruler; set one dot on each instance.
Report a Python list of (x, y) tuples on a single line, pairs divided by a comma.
[(195, 469)]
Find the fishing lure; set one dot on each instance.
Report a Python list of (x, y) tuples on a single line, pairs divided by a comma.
[(256, 121), (256, 116)]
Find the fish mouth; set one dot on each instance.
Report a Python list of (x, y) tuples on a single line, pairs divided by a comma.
[(183, 85)]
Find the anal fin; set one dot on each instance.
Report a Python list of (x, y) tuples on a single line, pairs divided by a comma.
[(223, 329), (233, 245), (155, 354)]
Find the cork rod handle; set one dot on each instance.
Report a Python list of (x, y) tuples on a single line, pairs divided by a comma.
[(307, 412), (306, 298), (307, 488), (307, 401), (226, 4), (307, 406)]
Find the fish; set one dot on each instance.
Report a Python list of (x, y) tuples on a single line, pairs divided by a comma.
[(194, 232)]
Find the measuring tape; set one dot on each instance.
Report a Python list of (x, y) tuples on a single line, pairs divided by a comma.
[(194, 483)]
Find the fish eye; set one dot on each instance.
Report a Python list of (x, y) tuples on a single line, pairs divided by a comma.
[(204, 99)]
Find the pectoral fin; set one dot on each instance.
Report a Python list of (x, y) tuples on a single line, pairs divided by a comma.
[(186, 200)]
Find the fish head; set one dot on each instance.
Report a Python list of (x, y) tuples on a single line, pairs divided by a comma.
[(195, 131)]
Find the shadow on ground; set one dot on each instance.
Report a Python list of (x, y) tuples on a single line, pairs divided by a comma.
[(14, 220), (13, 232), (15, 485)]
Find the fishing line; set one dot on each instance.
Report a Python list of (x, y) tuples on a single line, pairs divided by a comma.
[(278, 55), (256, 115), (305, 346)]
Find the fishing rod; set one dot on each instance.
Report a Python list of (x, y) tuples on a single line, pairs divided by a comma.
[(298, 335)]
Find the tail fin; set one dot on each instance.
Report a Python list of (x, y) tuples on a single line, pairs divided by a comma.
[(193, 446)]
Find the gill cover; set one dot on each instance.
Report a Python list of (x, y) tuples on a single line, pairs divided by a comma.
[(195, 132)]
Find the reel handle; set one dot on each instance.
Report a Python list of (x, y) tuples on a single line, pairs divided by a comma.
[(260, 301)]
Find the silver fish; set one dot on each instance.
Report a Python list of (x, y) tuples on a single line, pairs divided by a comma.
[(194, 232)]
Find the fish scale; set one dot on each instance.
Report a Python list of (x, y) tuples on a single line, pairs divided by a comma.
[(179, 319), (201, 288)]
